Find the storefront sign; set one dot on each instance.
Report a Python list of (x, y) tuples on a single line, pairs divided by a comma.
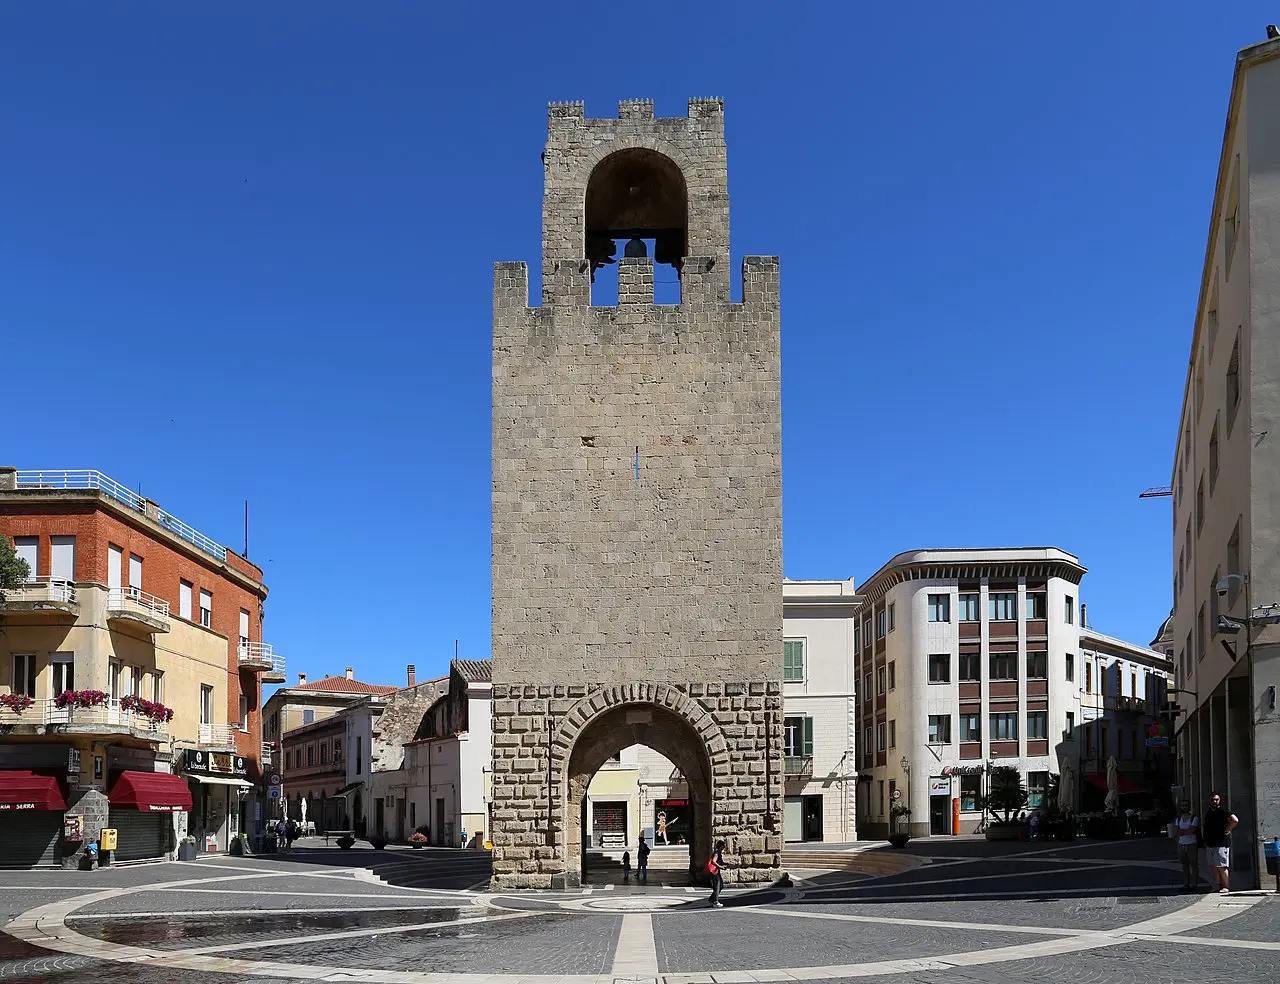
[(73, 761), (962, 770), (97, 769), (17, 806), (196, 761), (939, 786)]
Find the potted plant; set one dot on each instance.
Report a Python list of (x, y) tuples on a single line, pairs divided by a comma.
[(1006, 795), (899, 825), (417, 839), (346, 841), (377, 843), (187, 849), (17, 703)]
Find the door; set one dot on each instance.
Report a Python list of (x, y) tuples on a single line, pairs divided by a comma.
[(143, 836), (30, 838), (63, 563), (115, 564), (608, 824), (793, 818), (813, 818), (135, 574), (28, 548), (399, 819), (939, 814), (438, 832), (379, 817), (63, 672)]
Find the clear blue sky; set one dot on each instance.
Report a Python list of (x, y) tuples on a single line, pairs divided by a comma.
[(247, 253)]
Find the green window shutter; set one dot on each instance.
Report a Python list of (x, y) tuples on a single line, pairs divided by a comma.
[(808, 736), (793, 661)]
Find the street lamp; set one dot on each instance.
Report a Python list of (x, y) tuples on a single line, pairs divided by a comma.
[(906, 771)]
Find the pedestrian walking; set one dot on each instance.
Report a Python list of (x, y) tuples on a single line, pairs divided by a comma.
[(1186, 831), (715, 865), (642, 859), (626, 865), (1216, 833), (282, 829)]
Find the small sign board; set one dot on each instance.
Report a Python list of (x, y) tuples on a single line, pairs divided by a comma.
[(897, 795), (939, 785), (1157, 742)]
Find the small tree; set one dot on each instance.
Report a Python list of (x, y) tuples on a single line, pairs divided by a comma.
[(14, 571), (1005, 793)]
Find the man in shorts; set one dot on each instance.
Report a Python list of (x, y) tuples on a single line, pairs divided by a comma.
[(1216, 833)]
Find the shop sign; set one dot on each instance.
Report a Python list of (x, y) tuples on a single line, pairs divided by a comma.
[(961, 770), (939, 786), (17, 806), (157, 808), (196, 761), (73, 761)]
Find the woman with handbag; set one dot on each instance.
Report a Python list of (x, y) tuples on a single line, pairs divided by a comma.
[(1186, 829), (714, 865)]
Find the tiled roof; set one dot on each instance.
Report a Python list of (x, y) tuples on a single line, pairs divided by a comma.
[(341, 685), (475, 670)]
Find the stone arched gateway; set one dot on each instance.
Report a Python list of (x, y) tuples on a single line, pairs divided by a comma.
[(637, 499)]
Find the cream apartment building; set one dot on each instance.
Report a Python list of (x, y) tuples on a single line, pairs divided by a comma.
[(1226, 470)]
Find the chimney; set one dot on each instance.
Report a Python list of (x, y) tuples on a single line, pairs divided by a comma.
[(351, 675), (1084, 615), (413, 674), (302, 678)]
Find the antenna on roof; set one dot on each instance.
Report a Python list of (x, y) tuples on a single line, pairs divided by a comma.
[(246, 529)]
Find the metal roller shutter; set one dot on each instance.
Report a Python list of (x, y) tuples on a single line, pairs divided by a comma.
[(30, 838), (143, 835)]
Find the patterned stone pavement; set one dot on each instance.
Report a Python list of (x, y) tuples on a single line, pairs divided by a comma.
[(972, 913)]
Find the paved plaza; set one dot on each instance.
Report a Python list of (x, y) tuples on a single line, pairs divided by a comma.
[(965, 911)]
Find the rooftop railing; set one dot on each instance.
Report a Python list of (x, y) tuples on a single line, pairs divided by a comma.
[(90, 479), (137, 600)]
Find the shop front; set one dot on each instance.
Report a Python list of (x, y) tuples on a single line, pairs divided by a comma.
[(32, 805), (142, 807), (672, 821), (219, 787)]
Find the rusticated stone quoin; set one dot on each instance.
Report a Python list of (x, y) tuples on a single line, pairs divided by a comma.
[(637, 504)]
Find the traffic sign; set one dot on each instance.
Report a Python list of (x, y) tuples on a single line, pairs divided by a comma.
[(1157, 742), (897, 795), (275, 793)]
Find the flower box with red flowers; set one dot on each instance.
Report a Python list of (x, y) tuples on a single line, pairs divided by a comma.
[(16, 702), (152, 709), (80, 698)]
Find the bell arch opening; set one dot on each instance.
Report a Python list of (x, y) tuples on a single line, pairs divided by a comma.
[(637, 202), (673, 738)]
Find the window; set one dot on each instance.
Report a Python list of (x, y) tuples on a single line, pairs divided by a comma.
[(1071, 723), (866, 686), (1069, 609), (64, 668), (793, 661), (970, 610), (28, 549), (311, 755), (1233, 384), (135, 573), (1004, 727), (1213, 455), (893, 676), (866, 743), (24, 674), (1037, 665), (157, 686), (184, 599), (939, 608), (1003, 606), (135, 680), (359, 755), (114, 669), (1199, 386), (882, 680), (1200, 634), (308, 716), (1037, 788), (970, 789), (1200, 505), (882, 736), (940, 668), (206, 704), (857, 636), (1037, 724), (893, 734), (882, 617), (324, 752), (337, 750), (1213, 601), (1211, 316), (939, 729), (244, 629), (1070, 661), (797, 736), (1004, 666), (1088, 677), (1036, 605), (971, 667), (891, 619), (881, 787), (1186, 446), (206, 609), (244, 713), (971, 727), (1231, 222), (1233, 565), (866, 633)]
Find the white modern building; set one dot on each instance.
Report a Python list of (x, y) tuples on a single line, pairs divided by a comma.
[(447, 763)]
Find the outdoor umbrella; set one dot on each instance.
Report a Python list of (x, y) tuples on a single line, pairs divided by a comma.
[(1112, 802), (304, 814), (1066, 789)]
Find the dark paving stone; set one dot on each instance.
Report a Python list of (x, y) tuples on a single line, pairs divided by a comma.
[(1260, 922), (543, 944), (725, 940)]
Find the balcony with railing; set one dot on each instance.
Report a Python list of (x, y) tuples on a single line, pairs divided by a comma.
[(89, 479), (109, 716), (261, 657), (41, 594), (139, 608), (217, 736), (1133, 705), (797, 766)]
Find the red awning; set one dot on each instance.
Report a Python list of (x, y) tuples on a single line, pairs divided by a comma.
[(25, 790), (1123, 786), (150, 792)]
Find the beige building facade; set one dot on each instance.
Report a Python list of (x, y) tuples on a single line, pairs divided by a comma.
[(1226, 469)]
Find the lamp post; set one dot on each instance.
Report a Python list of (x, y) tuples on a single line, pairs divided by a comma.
[(906, 771), (1223, 587)]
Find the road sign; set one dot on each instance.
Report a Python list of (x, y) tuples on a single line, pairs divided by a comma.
[(897, 795), (1157, 742), (274, 779), (275, 793)]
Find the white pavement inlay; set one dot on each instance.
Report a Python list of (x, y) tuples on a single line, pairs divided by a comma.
[(637, 953)]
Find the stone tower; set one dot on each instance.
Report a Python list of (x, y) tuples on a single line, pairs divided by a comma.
[(637, 501)]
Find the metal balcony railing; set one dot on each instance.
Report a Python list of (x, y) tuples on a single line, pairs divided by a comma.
[(260, 656), (135, 600), (797, 765), (55, 589), (90, 479), (108, 714), (217, 735)]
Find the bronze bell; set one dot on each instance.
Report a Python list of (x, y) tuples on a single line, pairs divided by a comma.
[(636, 248)]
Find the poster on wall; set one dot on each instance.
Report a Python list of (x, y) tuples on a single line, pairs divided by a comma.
[(672, 821)]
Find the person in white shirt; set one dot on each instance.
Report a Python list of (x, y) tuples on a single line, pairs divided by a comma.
[(1186, 828)]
